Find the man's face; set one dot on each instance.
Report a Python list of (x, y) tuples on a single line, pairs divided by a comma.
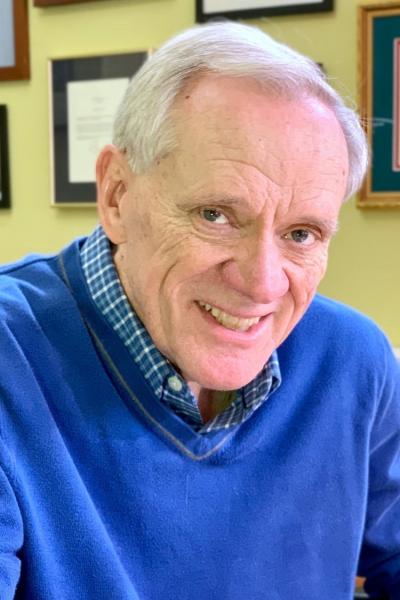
[(225, 239)]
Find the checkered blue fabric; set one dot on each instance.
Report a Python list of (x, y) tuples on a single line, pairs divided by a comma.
[(166, 383)]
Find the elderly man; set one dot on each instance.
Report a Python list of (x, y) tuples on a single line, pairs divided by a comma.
[(181, 417)]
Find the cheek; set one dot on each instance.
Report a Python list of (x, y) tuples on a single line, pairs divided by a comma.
[(320, 266), (194, 263), (306, 280)]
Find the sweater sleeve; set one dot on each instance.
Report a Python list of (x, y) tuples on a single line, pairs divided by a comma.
[(380, 553), (11, 533)]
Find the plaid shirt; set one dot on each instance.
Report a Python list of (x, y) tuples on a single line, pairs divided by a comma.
[(169, 387)]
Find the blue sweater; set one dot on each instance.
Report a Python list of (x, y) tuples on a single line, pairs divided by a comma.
[(106, 495)]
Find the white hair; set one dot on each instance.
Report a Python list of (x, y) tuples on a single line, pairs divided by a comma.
[(143, 126)]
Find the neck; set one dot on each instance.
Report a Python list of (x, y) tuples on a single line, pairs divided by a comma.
[(210, 402)]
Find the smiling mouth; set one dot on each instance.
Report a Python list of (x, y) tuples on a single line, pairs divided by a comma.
[(227, 320)]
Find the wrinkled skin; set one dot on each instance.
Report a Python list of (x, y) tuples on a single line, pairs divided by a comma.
[(239, 217)]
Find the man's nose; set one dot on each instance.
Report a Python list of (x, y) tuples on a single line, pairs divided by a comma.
[(257, 271)]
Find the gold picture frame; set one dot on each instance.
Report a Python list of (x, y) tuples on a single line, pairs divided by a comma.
[(379, 88)]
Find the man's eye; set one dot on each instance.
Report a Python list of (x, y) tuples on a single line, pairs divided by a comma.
[(301, 236), (213, 216)]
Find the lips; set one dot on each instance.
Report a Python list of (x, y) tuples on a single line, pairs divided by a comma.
[(227, 320)]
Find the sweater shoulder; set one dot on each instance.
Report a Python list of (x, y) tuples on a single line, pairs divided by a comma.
[(13, 269), (29, 279), (335, 316), (341, 329), (31, 285)]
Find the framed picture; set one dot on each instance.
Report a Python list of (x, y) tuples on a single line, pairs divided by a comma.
[(250, 9), (45, 3), (84, 93), (5, 200), (380, 101), (14, 40)]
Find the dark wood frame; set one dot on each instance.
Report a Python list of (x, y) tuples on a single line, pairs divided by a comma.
[(250, 12), (5, 199), (44, 3), (377, 90), (21, 44)]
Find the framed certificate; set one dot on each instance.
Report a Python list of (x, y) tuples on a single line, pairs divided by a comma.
[(85, 93), (380, 101), (5, 199), (14, 40), (250, 9), (45, 3)]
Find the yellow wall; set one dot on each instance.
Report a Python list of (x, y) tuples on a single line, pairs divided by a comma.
[(364, 267)]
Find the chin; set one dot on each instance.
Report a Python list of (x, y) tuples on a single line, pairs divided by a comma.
[(224, 378)]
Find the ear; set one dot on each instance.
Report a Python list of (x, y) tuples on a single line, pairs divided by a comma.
[(112, 172)]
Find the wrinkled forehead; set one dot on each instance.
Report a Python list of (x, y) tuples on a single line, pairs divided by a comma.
[(223, 118)]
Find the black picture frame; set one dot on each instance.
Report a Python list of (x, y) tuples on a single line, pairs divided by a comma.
[(252, 9), (46, 3), (62, 72), (5, 195)]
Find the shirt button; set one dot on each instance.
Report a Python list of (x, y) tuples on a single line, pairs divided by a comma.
[(175, 383)]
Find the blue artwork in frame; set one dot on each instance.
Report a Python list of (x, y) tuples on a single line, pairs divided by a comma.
[(14, 40)]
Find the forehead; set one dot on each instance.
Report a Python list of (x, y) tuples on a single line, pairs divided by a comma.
[(222, 118)]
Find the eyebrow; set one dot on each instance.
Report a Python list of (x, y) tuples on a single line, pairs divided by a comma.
[(331, 226), (212, 200)]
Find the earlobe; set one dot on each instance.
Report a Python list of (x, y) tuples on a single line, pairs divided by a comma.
[(111, 186)]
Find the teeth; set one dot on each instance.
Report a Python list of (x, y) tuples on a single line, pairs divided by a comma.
[(227, 320)]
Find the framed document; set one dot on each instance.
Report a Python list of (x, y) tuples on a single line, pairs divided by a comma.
[(250, 9), (85, 93), (5, 200), (45, 3), (380, 101), (14, 40)]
